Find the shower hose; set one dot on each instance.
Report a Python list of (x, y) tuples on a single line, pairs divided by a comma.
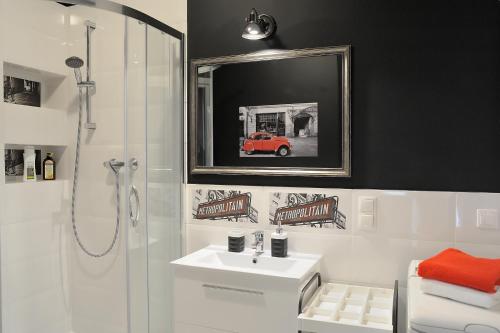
[(75, 185)]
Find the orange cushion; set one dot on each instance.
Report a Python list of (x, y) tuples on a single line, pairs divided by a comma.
[(457, 267)]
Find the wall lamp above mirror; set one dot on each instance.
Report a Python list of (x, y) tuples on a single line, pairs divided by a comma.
[(259, 26)]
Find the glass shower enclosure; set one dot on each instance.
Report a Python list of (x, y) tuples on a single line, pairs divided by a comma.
[(91, 254)]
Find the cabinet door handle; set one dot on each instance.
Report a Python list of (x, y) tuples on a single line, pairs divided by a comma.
[(238, 290)]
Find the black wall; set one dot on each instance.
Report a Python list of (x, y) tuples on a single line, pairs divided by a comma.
[(304, 80), (425, 90)]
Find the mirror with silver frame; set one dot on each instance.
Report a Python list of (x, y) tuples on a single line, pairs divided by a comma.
[(273, 112)]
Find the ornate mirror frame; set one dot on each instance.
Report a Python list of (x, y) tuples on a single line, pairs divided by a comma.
[(268, 55)]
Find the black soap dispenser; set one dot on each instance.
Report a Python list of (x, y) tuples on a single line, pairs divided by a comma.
[(279, 243), (236, 241)]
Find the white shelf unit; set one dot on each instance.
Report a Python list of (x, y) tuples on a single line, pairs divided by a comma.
[(337, 307)]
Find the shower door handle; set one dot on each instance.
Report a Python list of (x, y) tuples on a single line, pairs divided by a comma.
[(134, 194), (134, 164)]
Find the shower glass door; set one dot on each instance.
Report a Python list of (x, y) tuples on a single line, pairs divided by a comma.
[(136, 174), (89, 252), (165, 167), (153, 111)]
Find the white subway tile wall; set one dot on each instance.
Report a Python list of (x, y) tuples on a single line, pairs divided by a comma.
[(33, 232), (466, 218), (410, 225), (47, 284)]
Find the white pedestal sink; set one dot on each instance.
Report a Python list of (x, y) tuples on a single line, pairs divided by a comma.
[(219, 291)]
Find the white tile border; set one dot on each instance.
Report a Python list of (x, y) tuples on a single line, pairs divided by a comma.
[(410, 225)]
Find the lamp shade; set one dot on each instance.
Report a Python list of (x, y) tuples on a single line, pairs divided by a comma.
[(258, 26)]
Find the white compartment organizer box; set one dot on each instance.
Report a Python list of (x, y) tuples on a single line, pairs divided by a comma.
[(344, 308)]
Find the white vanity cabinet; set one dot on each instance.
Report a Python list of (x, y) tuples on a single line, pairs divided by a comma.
[(217, 291), (190, 328)]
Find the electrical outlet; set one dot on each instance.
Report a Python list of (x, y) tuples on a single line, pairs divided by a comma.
[(487, 219), (367, 222), (367, 205)]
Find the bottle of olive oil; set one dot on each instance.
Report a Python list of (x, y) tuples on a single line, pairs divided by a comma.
[(49, 168)]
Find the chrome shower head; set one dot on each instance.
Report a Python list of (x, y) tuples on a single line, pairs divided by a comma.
[(75, 63)]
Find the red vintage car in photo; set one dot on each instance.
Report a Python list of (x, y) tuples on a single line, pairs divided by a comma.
[(265, 142)]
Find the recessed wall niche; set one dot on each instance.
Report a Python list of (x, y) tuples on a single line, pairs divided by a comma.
[(14, 161), (48, 85)]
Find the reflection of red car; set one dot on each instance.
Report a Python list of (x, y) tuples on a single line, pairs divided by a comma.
[(265, 142)]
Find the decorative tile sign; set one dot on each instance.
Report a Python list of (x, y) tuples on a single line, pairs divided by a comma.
[(305, 209), (320, 210), (230, 206), (238, 205)]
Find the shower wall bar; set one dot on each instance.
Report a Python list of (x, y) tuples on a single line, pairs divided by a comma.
[(89, 89)]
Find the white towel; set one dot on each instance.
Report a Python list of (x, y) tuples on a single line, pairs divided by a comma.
[(460, 294)]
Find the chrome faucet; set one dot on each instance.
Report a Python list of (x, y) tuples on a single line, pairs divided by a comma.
[(258, 244)]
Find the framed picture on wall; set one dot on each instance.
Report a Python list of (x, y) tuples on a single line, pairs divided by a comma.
[(21, 91), (14, 162), (273, 112)]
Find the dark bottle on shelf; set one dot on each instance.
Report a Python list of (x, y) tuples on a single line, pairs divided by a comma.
[(49, 168)]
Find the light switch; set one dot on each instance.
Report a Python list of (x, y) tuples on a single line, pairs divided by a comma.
[(487, 219), (366, 222), (367, 205)]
